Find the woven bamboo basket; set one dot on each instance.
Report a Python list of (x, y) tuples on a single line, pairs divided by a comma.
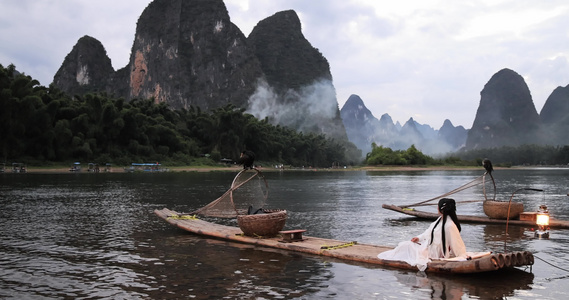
[(499, 209), (266, 225)]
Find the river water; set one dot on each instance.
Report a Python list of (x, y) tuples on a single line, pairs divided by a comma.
[(93, 236)]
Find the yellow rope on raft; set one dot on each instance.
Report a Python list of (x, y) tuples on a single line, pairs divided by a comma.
[(256, 236), (338, 246), (183, 217)]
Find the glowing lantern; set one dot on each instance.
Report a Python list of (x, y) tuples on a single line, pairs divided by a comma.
[(542, 221)]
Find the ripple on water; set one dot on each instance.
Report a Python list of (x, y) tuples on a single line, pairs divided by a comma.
[(96, 237)]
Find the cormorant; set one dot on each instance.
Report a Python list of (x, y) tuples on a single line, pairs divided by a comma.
[(487, 165), (247, 159)]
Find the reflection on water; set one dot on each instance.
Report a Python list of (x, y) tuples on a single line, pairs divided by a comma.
[(188, 266), (95, 236), (488, 286)]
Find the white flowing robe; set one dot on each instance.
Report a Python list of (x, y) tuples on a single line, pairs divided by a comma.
[(420, 253)]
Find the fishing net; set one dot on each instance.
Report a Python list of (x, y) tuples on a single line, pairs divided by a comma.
[(481, 180), (248, 193)]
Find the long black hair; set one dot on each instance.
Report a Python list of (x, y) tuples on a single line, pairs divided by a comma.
[(447, 207)]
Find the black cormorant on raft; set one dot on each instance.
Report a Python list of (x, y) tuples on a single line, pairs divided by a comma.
[(247, 159), (488, 166)]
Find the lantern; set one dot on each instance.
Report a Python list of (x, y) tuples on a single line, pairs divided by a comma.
[(542, 221)]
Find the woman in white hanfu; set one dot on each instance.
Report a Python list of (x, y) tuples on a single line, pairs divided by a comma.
[(441, 240)]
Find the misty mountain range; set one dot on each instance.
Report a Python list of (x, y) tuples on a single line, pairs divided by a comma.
[(187, 53), (363, 129), (506, 116)]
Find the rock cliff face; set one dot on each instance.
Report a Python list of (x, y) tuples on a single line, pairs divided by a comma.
[(188, 53), (185, 52), (298, 75), (506, 115), (288, 60), (86, 68)]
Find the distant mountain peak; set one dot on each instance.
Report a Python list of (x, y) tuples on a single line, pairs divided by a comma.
[(86, 68), (506, 115), (554, 116), (356, 107), (363, 129), (386, 119), (447, 122)]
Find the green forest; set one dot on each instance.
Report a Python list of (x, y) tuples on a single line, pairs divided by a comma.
[(42, 124), (503, 156), (529, 154)]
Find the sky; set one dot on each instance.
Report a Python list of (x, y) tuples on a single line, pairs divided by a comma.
[(422, 59)]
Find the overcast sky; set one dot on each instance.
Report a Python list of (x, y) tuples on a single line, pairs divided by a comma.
[(423, 59)]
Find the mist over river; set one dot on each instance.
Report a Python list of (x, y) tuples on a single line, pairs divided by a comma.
[(95, 236)]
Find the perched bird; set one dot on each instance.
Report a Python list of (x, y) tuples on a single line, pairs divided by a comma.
[(247, 159), (487, 165)]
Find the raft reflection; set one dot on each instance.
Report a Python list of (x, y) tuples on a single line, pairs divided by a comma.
[(190, 266), (484, 285), (203, 268)]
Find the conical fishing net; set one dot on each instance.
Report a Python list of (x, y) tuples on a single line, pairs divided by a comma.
[(248, 193)]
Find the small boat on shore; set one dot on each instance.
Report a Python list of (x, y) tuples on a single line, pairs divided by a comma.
[(76, 167), (145, 167), (19, 168), (344, 250)]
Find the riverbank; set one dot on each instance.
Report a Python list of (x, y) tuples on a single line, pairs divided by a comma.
[(121, 169)]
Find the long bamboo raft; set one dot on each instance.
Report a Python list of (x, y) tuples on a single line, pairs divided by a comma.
[(345, 250), (553, 223)]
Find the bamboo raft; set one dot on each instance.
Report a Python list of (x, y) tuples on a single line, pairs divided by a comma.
[(345, 250), (553, 223)]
